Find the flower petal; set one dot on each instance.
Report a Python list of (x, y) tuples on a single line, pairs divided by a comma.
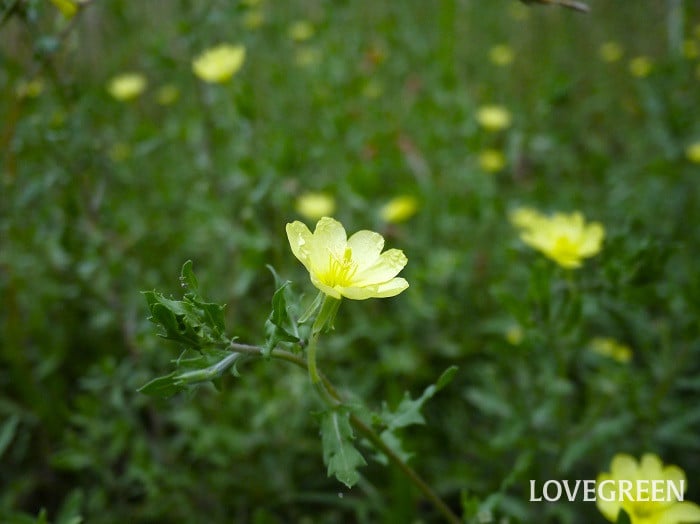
[(366, 247), (607, 503), (300, 240), (384, 268), (624, 467), (328, 290), (383, 290), (329, 241), (682, 512)]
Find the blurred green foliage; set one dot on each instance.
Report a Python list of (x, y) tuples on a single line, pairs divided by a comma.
[(100, 199)]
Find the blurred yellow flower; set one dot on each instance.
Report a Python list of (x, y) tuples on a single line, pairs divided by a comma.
[(352, 267), (167, 94), (609, 347), (68, 8), (30, 88), (642, 501), (525, 217), (315, 205), (640, 66), (493, 117), (565, 239), (514, 335), (127, 86), (301, 31), (218, 64), (610, 52), (501, 54), (399, 209), (492, 160), (690, 49), (692, 152)]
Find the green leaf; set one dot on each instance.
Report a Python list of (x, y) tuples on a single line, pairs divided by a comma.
[(408, 411), (162, 387), (339, 454), (7, 432), (187, 278), (280, 326), (623, 517)]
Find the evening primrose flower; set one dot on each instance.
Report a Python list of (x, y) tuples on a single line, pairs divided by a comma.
[(501, 55), (610, 52), (692, 152), (609, 347), (126, 86), (399, 209), (493, 117), (218, 64), (564, 238), (492, 160), (352, 267), (640, 66), (301, 31), (642, 502), (525, 217), (315, 205)]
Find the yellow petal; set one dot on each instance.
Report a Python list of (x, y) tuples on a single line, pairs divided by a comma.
[(609, 508), (366, 246), (386, 267), (299, 238), (624, 467), (681, 513)]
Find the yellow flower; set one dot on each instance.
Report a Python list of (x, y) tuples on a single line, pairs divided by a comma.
[(315, 205), (692, 152), (399, 209), (352, 267), (493, 118), (690, 49), (640, 66), (167, 94), (127, 86), (68, 8), (501, 54), (642, 502), (526, 217), (566, 239), (492, 160), (301, 31), (218, 64), (610, 52), (514, 335), (609, 347)]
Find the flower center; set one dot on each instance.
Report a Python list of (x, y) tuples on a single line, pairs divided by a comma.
[(340, 270)]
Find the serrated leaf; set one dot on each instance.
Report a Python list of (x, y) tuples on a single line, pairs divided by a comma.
[(339, 453), (162, 387), (187, 278)]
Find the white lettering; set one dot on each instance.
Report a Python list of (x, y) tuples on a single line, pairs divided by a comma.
[(602, 490), (589, 491), (545, 490), (677, 495), (625, 488), (657, 491), (642, 488), (532, 493), (571, 496)]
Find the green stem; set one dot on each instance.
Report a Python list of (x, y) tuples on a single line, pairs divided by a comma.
[(358, 424)]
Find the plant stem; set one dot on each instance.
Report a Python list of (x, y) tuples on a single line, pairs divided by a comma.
[(357, 423)]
